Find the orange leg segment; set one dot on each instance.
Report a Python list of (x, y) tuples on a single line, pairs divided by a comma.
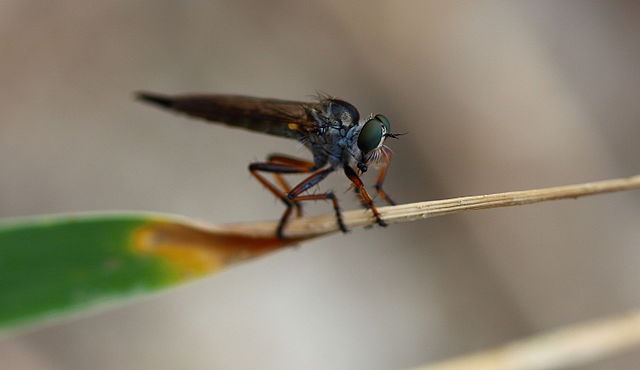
[(279, 165), (288, 160), (364, 195), (381, 175)]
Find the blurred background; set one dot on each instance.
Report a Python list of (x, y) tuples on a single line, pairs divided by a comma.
[(495, 96)]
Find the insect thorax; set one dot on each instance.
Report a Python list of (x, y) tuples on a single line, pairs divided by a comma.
[(335, 145), (335, 135)]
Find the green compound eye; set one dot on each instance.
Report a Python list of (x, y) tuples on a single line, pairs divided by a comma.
[(371, 135), (385, 122)]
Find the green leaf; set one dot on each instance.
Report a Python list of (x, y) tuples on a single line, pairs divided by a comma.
[(52, 267)]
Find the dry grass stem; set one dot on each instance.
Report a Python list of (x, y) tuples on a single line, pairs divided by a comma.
[(309, 227), (572, 346)]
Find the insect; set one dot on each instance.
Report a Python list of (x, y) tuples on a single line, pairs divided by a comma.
[(330, 128)]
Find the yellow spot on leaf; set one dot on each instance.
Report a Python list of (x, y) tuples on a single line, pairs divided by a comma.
[(194, 251)]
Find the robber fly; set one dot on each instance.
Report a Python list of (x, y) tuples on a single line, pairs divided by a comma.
[(330, 128)]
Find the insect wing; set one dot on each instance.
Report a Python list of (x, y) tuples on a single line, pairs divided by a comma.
[(271, 116)]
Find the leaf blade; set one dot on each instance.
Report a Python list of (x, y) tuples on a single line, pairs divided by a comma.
[(57, 266)]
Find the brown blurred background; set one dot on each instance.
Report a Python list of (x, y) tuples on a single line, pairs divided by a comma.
[(495, 95)]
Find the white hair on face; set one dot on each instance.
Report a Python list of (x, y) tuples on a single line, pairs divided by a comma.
[(379, 156)]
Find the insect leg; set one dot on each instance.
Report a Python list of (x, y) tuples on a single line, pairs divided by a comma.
[(294, 195), (380, 180), (336, 206), (364, 195), (307, 183), (283, 158), (275, 168), (381, 175), (288, 160), (362, 201)]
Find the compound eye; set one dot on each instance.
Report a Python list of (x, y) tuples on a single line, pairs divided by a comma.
[(385, 122), (371, 135)]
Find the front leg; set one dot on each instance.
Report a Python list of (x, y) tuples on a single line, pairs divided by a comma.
[(364, 195), (381, 176)]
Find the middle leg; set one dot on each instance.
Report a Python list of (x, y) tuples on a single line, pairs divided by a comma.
[(294, 196), (289, 161)]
